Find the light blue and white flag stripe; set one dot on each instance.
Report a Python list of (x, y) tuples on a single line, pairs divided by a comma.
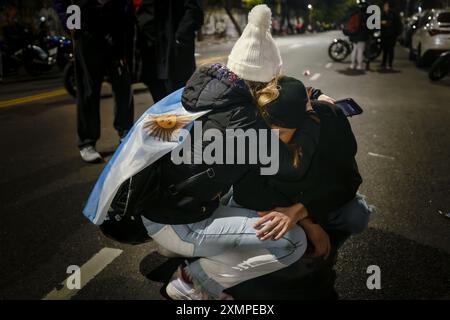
[(136, 152)]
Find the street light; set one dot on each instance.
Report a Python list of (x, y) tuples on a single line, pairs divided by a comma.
[(310, 8)]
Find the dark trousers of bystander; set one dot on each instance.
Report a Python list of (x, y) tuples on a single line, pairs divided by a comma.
[(159, 88), (95, 58), (388, 46)]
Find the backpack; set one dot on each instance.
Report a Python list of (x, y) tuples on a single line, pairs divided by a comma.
[(354, 24)]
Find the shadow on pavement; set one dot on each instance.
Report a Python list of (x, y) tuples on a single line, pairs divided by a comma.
[(351, 72), (388, 71), (442, 83)]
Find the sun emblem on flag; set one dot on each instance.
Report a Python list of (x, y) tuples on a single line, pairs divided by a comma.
[(164, 127)]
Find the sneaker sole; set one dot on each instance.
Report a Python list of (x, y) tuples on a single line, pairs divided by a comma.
[(175, 294)]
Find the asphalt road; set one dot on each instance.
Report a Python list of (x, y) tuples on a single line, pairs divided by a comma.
[(403, 155)]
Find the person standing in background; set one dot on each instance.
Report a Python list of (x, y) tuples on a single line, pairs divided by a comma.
[(391, 27), (167, 43), (103, 46), (358, 35)]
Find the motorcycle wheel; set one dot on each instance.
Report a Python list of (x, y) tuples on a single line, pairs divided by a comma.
[(438, 70), (373, 51), (69, 79), (338, 51)]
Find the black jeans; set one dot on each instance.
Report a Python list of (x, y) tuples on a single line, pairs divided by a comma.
[(94, 58), (159, 88), (388, 46)]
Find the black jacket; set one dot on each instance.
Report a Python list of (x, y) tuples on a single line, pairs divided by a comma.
[(391, 25), (168, 27), (211, 87), (326, 184), (363, 33)]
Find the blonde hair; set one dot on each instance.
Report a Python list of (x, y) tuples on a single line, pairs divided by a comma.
[(263, 94)]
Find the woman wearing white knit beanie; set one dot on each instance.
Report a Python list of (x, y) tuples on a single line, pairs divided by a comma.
[(255, 56), (223, 236)]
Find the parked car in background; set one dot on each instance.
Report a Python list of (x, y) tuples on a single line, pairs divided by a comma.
[(432, 36), (410, 27)]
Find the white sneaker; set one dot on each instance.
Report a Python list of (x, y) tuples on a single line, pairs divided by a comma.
[(90, 155), (178, 289), (359, 67), (352, 66)]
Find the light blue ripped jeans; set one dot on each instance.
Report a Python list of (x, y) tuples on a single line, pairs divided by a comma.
[(229, 249)]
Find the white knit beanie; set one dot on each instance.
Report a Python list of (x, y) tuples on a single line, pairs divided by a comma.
[(255, 56)]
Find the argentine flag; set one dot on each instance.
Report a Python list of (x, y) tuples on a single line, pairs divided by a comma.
[(136, 152)]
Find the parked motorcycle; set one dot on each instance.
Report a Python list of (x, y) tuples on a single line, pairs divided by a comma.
[(340, 49), (441, 67), (61, 49), (36, 53), (20, 49)]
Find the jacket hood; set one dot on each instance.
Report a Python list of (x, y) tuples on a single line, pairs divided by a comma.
[(214, 87)]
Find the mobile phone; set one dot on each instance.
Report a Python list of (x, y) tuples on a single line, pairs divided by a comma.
[(349, 107)]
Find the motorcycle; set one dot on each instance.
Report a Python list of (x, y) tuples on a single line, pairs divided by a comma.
[(440, 68), (340, 49), (60, 49), (37, 54), (20, 49)]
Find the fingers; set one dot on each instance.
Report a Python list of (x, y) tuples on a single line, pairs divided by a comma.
[(268, 227), (263, 220), (322, 249), (273, 232), (281, 233)]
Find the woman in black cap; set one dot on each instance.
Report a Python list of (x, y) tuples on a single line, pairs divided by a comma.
[(326, 182)]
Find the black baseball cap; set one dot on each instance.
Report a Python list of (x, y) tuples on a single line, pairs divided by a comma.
[(289, 109)]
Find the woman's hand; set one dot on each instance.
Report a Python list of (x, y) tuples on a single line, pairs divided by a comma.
[(318, 237), (279, 221), (324, 97)]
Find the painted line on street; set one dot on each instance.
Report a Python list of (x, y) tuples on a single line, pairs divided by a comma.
[(315, 77), (296, 45), (33, 98), (380, 156), (328, 65), (212, 60), (88, 271), (62, 92)]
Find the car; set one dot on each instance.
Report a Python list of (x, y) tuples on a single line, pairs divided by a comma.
[(410, 27), (432, 36)]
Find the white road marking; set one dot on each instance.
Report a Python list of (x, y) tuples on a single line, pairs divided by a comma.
[(315, 77), (380, 156), (328, 65), (88, 271), (296, 45)]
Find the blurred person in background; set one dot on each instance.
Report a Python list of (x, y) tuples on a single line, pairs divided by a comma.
[(51, 18), (358, 34), (391, 27), (103, 46), (167, 43)]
